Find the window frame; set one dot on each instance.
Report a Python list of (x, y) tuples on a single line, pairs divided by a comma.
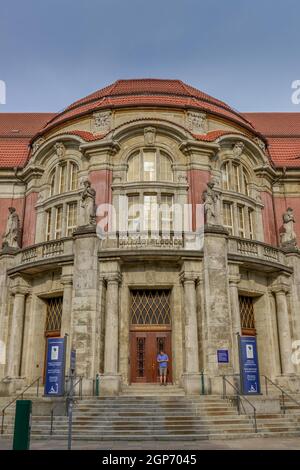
[(160, 156)]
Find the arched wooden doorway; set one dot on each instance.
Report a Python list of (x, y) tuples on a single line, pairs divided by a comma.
[(150, 331)]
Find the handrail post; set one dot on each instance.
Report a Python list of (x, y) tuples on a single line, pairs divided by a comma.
[(224, 386), (2, 422), (37, 387), (238, 398), (266, 383), (202, 383), (255, 422), (51, 423), (283, 402), (80, 388)]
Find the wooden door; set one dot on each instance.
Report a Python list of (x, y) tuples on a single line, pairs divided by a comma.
[(145, 345)]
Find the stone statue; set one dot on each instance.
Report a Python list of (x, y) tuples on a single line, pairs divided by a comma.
[(238, 149), (88, 205), (210, 199), (11, 236), (60, 149), (288, 237)]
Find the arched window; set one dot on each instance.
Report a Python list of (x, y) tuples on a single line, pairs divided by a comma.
[(149, 165), (61, 216), (63, 178), (235, 177)]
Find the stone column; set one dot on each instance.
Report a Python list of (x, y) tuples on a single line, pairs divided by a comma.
[(234, 279), (191, 376), (6, 262), (85, 303), (16, 333), (284, 333), (217, 306), (111, 378), (66, 320)]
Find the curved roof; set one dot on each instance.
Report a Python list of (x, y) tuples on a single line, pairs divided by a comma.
[(148, 92)]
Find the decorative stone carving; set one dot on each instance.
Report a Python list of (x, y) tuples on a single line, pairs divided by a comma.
[(102, 121), (149, 135), (11, 236), (37, 144), (197, 122), (238, 149), (88, 205), (288, 237), (210, 199), (182, 178), (60, 149), (260, 143)]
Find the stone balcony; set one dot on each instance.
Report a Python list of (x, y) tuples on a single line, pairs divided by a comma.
[(44, 254), (255, 252)]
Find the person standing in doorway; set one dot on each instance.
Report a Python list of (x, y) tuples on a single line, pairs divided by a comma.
[(163, 359)]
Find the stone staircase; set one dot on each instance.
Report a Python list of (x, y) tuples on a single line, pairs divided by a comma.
[(164, 413)]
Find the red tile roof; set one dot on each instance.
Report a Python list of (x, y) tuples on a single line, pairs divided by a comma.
[(282, 130), (22, 124), (13, 152), (16, 131), (148, 92), (283, 135)]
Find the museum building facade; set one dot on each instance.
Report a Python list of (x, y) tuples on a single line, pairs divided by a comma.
[(147, 216)]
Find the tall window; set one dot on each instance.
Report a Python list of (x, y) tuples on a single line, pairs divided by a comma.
[(241, 221), (54, 315), (166, 212), (58, 221), (250, 223), (73, 176), (149, 165), (228, 217), (71, 218), (247, 315), (48, 225), (63, 178), (52, 183), (235, 177), (150, 212), (133, 213)]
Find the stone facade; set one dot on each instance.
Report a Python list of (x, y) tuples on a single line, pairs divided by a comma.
[(94, 267)]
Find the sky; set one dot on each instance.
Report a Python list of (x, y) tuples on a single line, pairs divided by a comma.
[(245, 52)]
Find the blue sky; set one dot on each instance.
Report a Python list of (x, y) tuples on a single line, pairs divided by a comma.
[(245, 52)]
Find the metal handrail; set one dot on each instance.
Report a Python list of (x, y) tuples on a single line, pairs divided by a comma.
[(79, 381), (283, 392), (37, 381), (239, 400)]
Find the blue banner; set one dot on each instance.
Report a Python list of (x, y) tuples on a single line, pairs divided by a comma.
[(249, 370), (55, 367)]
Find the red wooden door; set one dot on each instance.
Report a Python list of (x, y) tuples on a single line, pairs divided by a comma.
[(145, 345)]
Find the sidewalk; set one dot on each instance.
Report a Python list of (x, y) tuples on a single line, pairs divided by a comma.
[(239, 444)]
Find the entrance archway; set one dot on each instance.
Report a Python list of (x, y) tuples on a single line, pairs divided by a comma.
[(150, 332)]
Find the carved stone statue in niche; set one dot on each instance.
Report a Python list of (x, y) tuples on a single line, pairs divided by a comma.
[(11, 236), (149, 135), (88, 205), (238, 149), (288, 237), (60, 149), (210, 199)]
